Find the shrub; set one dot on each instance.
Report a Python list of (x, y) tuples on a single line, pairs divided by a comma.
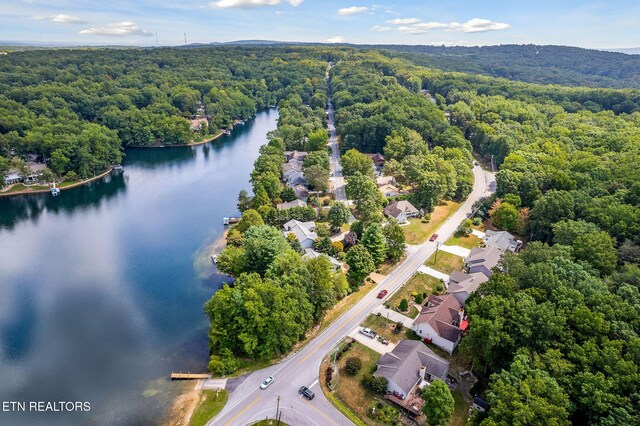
[(404, 305), (398, 327), (439, 288), (414, 293), (338, 246), (424, 295), (353, 365), (326, 202), (375, 384), (419, 299), (477, 221)]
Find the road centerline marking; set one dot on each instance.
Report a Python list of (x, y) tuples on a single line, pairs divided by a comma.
[(230, 422)]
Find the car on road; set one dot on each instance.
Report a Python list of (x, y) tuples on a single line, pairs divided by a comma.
[(307, 393), (267, 382), (368, 332), (382, 294), (475, 163), (433, 237)]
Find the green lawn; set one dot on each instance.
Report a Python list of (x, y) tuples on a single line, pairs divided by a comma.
[(468, 241), (418, 283), (417, 231), (461, 412), (208, 407), (446, 262)]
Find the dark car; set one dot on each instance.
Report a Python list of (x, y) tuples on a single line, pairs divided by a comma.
[(382, 294), (433, 237), (307, 393)]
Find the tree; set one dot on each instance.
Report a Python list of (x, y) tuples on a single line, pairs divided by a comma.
[(317, 176), (419, 299), (340, 285), (353, 365), (244, 201), (373, 240), (250, 218), (505, 216), (324, 245), (553, 207), (317, 140), (350, 240), (294, 243), (395, 239), (565, 232), (353, 161), (261, 198), (438, 403), (262, 244), (231, 261), (465, 227), (364, 193), (523, 395), (360, 263), (339, 214), (321, 292), (288, 194), (597, 249), (375, 384)]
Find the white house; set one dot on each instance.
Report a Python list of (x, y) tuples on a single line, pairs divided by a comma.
[(401, 211), (312, 254), (303, 231), (441, 321), (291, 204)]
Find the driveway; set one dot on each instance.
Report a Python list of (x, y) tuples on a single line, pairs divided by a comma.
[(371, 343), (430, 271), (457, 250), (394, 316), (478, 234)]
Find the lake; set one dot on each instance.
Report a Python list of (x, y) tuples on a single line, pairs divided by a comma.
[(101, 288)]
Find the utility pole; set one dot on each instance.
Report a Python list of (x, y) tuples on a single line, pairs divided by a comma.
[(437, 247), (278, 411)]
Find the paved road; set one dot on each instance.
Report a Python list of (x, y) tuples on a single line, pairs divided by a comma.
[(337, 181), (248, 403)]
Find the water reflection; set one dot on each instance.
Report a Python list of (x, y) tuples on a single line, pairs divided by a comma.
[(101, 289)]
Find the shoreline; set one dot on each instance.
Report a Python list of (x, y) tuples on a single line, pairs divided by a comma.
[(176, 145), (62, 188)]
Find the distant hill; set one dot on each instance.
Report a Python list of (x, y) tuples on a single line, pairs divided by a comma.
[(628, 50), (569, 66)]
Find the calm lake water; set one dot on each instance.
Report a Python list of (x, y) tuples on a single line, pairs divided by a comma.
[(101, 288)]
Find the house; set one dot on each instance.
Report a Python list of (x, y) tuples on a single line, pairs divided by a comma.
[(401, 210), (483, 260), (503, 240), (312, 254), (295, 155), (292, 165), (303, 231), (409, 365), (385, 180), (290, 204), (440, 321), (294, 178), (302, 192), (198, 124), (389, 190), (378, 159), (461, 285), (13, 177)]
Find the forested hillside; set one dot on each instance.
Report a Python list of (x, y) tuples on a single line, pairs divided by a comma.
[(77, 108), (562, 65)]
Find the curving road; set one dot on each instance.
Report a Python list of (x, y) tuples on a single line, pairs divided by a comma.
[(248, 403)]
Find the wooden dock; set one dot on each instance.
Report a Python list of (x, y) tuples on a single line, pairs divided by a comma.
[(189, 376)]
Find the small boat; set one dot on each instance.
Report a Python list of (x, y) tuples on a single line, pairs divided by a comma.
[(227, 132), (55, 191), (229, 220), (118, 168), (214, 258)]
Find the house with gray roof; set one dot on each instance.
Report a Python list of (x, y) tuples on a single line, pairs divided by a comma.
[(295, 155), (291, 204), (461, 285), (503, 240), (294, 178), (440, 321), (401, 211), (408, 365), (305, 232), (483, 260), (312, 254)]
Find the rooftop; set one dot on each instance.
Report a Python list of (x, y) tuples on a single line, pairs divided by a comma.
[(443, 314)]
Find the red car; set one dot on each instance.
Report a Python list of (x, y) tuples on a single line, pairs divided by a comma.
[(382, 294), (433, 237)]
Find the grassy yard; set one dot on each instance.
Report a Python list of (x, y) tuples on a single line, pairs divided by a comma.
[(383, 327), (418, 283), (22, 187), (388, 266), (349, 391), (446, 262), (461, 412), (417, 232), (468, 241), (209, 406)]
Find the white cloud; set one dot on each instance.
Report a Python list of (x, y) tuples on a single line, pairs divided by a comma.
[(66, 19), (336, 39), (381, 29), (403, 21), (228, 4), (123, 28), (352, 10), (475, 25)]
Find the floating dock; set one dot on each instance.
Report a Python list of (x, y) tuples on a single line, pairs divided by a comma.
[(189, 376)]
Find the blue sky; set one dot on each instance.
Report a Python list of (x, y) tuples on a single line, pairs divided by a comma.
[(591, 24)]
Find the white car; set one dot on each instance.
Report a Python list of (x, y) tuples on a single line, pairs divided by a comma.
[(368, 332), (267, 382)]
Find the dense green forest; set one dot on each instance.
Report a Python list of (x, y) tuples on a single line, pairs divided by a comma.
[(78, 108), (563, 65)]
